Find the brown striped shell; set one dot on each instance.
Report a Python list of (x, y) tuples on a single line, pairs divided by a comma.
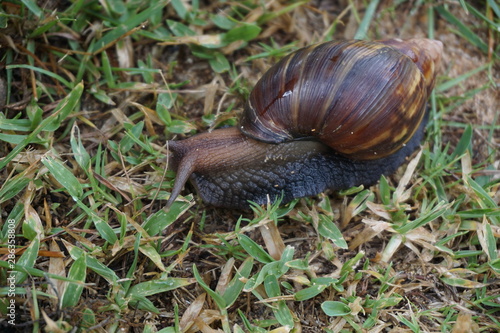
[(363, 99)]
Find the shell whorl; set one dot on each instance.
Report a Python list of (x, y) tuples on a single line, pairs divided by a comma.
[(363, 99)]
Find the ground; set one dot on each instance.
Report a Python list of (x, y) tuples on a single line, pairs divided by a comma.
[(90, 94)]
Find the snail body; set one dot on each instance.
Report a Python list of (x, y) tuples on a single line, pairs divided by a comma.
[(329, 116)]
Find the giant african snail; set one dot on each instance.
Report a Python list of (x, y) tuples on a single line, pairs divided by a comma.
[(329, 116)]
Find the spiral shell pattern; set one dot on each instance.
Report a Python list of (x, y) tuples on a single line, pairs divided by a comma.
[(363, 99)]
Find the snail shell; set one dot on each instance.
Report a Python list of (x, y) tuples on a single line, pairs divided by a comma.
[(363, 99), (328, 116)]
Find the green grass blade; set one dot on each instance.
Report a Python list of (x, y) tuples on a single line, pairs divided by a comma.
[(272, 286), (150, 251), (60, 113), (44, 28), (236, 285), (106, 68), (133, 266), (15, 185), (64, 176), (132, 22), (490, 242), (335, 308), (142, 303), (480, 15), (254, 249), (154, 287), (328, 229), (362, 31), (94, 264), (431, 215), (11, 222), (495, 7), (23, 125), (483, 199), (81, 154), (45, 72), (221, 303), (15, 138), (464, 143), (102, 227), (310, 292), (27, 260), (31, 271), (77, 274), (458, 79), (163, 218), (284, 315), (246, 32), (99, 268), (33, 7), (463, 29)]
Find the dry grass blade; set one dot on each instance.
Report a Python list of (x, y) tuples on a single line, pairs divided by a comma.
[(192, 313), (372, 229), (274, 243), (464, 324), (57, 266)]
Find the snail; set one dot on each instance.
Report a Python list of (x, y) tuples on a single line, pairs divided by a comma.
[(329, 116)]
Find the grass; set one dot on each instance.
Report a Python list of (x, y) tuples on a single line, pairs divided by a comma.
[(91, 91)]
